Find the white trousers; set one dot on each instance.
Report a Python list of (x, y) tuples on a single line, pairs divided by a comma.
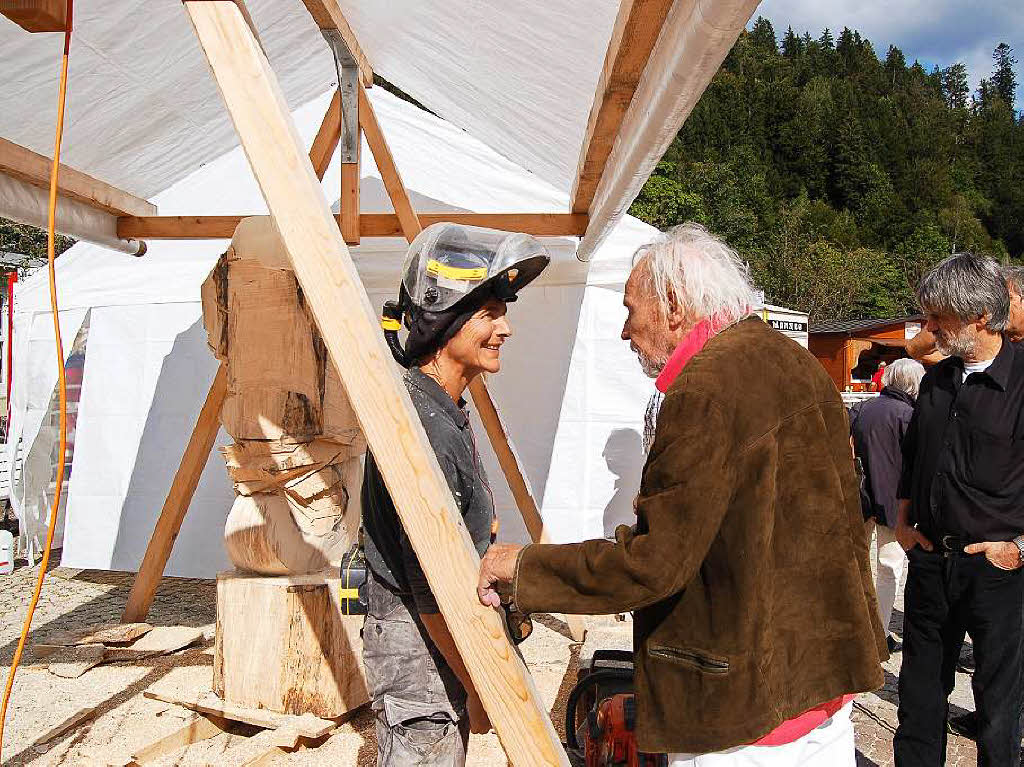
[(828, 745), (891, 561)]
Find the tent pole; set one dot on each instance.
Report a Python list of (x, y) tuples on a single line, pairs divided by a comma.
[(161, 542), (485, 407), (349, 327)]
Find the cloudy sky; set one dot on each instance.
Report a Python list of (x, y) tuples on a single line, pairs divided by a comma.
[(932, 31)]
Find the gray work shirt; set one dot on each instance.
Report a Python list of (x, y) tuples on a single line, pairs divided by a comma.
[(388, 551)]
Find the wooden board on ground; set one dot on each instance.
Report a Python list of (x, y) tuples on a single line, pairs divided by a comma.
[(77, 718), (201, 727), (162, 640), (283, 645), (108, 633), (307, 725), (72, 662)]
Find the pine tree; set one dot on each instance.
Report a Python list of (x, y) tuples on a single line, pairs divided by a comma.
[(895, 65), (762, 35), (1004, 80), (826, 41), (792, 46), (955, 87)]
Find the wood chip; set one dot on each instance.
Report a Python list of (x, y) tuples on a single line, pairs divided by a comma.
[(72, 662), (70, 723), (160, 641)]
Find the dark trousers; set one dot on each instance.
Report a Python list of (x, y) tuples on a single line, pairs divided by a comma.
[(947, 595)]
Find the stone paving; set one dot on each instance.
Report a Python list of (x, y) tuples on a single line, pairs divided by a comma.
[(73, 598)]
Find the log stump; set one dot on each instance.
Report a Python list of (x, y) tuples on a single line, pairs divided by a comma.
[(283, 645)]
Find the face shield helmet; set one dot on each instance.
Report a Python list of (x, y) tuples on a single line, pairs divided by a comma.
[(451, 268)]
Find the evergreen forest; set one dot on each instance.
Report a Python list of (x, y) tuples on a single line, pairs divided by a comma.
[(841, 176)]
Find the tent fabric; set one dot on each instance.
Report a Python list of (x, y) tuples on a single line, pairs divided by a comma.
[(143, 112), (570, 391)]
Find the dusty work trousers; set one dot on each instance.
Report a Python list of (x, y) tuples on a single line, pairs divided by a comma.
[(891, 561), (828, 745), (419, 703), (948, 594)]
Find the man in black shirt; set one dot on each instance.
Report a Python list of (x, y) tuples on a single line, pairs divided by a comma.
[(961, 519)]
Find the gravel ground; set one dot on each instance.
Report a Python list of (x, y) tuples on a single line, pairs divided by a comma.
[(124, 720)]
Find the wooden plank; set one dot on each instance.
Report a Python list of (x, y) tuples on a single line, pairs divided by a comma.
[(107, 633), (36, 15), (72, 662), (307, 725), (183, 487), (25, 165), (370, 224), (350, 329), (327, 15), (407, 219), (77, 718), (162, 640), (202, 727), (327, 137), (349, 201), (518, 482), (636, 30)]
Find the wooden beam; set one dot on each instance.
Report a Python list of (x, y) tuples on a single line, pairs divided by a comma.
[(25, 165), (407, 218), (350, 329), (370, 224), (516, 477), (327, 15), (36, 15), (636, 30), (327, 137), (178, 499), (349, 218), (201, 727)]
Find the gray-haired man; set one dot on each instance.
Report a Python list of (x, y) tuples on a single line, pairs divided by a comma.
[(961, 518)]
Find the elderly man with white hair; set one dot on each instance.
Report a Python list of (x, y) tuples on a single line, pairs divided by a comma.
[(747, 571), (878, 427)]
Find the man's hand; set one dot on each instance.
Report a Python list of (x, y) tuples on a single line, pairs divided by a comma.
[(479, 722), (1002, 554), (497, 568), (909, 537)]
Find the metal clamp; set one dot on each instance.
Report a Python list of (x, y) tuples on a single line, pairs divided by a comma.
[(348, 85)]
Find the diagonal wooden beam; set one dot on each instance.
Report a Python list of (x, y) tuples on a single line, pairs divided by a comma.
[(370, 224), (327, 15), (183, 487), (350, 329), (636, 30), (327, 137), (407, 218), (25, 165)]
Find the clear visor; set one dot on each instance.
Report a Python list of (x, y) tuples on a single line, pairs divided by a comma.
[(446, 262)]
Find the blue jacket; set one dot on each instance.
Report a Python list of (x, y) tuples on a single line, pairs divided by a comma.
[(878, 426)]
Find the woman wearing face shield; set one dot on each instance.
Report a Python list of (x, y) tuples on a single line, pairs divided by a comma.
[(457, 282)]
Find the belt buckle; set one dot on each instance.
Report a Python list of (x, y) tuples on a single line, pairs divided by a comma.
[(945, 542)]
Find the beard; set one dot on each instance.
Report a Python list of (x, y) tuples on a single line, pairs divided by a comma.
[(652, 368), (957, 344)]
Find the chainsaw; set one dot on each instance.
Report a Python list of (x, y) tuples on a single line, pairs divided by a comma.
[(601, 712)]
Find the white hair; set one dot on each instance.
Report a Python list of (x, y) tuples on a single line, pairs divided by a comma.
[(904, 374), (704, 275)]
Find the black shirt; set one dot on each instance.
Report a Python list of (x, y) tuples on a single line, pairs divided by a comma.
[(388, 551), (963, 456)]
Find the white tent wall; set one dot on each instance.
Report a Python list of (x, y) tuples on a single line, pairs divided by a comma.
[(147, 366)]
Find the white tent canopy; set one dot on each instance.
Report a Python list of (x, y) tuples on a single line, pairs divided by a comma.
[(570, 391), (143, 113)]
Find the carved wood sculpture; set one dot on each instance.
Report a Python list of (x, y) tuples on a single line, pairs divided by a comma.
[(295, 462)]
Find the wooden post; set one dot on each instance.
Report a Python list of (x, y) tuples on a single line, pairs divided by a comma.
[(338, 303), (517, 480), (178, 499), (485, 407)]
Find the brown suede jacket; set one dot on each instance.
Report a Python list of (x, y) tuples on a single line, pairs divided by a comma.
[(748, 568)]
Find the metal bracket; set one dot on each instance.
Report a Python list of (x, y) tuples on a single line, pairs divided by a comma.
[(348, 85)]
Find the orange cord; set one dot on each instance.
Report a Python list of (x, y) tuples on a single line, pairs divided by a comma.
[(61, 388)]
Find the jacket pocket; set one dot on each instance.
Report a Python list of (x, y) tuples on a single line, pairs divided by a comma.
[(698, 659)]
